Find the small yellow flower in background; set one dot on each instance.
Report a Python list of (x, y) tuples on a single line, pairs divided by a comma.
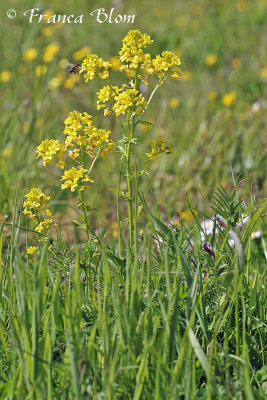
[(114, 229), (40, 70), (186, 75), (32, 249), (212, 96), (25, 127), (5, 76), (187, 215), (240, 5), (158, 147), (174, 102), (160, 11), (70, 82), (63, 63), (7, 152), (229, 99), (236, 62), (39, 122), (47, 31), (50, 52), (181, 20), (211, 60), (81, 53), (48, 14), (115, 63), (30, 54), (263, 73), (56, 81)]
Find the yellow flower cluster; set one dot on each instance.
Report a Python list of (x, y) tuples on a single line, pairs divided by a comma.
[(133, 55), (72, 177), (32, 249), (47, 149), (132, 49), (117, 100), (163, 63), (133, 59), (81, 139), (94, 66), (159, 146), (37, 208)]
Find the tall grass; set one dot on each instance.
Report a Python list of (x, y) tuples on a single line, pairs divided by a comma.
[(82, 322)]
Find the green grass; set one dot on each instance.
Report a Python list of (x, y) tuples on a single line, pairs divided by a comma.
[(80, 322), (164, 320)]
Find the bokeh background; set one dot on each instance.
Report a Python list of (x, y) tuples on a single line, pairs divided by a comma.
[(214, 118)]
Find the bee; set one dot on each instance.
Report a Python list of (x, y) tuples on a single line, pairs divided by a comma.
[(74, 68)]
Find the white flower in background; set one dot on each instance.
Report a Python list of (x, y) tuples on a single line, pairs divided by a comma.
[(243, 221), (207, 228), (256, 235)]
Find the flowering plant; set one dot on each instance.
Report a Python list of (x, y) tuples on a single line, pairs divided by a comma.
[(83, 143)]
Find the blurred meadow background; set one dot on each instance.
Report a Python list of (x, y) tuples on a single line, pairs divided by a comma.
[(213, 119), (174, 317)]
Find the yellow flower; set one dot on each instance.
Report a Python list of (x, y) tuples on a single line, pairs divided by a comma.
[(107, 95), (7, 152), (32, 249), (236, 62), (132, 48), (165, 62), (48, 14), (240, 5), (263, 73), (82, 53), (174, 102), (212, 96), (229, 99), (56, 81), (40, 70), (186, 75), (114, 229), (94, 66), (187, 215), (36, 206), (5, 76), (47, 31), (63, 63), (30, 54), (39, 122), (211, 60), (115, 63), (47, 149), (159, 146), (72, 177), (50, 52), (69, 83), (126, 99)]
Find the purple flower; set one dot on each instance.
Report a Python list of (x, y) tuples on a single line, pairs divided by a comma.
[(204, 275), (207, 247), (220, 222), (51, 261)]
